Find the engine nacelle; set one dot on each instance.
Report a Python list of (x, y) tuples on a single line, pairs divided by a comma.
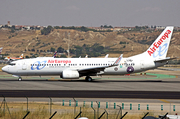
[(69, 74)]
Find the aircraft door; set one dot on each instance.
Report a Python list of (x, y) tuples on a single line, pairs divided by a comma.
[(24, 66), (142, 64)]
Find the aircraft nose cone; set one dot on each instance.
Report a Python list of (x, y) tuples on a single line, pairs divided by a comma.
[(4, 69)]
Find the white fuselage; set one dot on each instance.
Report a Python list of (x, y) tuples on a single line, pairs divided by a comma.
[(55, 66)]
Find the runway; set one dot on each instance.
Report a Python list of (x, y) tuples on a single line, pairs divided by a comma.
[(135, 86), (105, 83), (90, 94)]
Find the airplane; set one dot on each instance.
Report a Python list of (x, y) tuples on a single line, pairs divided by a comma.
[(14, 58), (106, 56), (74, 68), (1, 49)]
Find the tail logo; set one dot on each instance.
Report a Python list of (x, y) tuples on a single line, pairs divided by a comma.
[(157, 44), (161, 51)]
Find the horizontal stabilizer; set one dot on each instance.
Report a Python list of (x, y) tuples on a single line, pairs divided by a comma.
[(166, 59)]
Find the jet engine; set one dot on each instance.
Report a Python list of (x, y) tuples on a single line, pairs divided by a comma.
[(69, 74)]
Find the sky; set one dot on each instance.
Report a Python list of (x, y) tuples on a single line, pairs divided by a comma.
[(90, 13)]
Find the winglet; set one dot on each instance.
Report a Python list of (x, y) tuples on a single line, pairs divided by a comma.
[(118, 60), (55, 54)]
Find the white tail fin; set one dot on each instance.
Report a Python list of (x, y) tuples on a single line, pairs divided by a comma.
[(159, 48), (106, 56), (1, 49), (21, 56)]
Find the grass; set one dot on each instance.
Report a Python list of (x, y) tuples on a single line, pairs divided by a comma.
[(41, 111)]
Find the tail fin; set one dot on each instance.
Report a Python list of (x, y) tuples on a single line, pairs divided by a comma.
[(106, 56), (55, 54), (159, 48), (21, 56), (1, 49)]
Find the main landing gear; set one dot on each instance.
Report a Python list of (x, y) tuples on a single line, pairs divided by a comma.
[(88, 79), (19, 78)]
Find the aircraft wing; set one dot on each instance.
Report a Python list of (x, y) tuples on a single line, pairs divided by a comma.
[(91, 70), (166, 59), (98, 69)]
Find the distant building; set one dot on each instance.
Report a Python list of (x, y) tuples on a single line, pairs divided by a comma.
[(8, 23), (160, 27)]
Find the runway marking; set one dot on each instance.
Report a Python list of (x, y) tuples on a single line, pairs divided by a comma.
[(164, 100)]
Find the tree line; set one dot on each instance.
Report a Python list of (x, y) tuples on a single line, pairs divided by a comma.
[(77, 51)]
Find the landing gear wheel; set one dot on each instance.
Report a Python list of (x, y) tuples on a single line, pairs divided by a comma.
[(19, 78), (88, 79)]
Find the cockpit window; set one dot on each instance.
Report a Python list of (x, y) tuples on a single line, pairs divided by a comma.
[(12, 64)]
